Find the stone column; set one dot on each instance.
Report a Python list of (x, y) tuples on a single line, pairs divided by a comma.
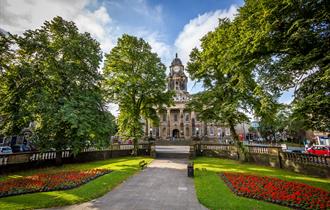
[(205, 129), (181, 124), (168, 126)]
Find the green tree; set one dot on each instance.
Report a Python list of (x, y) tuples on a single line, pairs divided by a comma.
[(277, 123), (289, 41), (15, 87), (230, 86), (136, 81), (58, 69)]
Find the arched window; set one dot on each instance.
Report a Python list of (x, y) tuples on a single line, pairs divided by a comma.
[(187, 117)]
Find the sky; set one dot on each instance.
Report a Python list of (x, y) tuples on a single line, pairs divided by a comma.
[(169, 26)]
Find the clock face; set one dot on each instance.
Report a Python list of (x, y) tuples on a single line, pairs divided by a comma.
[(176, 68)]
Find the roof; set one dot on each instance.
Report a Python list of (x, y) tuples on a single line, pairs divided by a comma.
[(176, 61)]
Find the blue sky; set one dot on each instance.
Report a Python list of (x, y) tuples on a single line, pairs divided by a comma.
[(169, 26)]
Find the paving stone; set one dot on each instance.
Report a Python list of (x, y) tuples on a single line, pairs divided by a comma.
[(163, 185)]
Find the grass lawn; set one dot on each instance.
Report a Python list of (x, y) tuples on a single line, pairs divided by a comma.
[(123, 168), (213, 193)]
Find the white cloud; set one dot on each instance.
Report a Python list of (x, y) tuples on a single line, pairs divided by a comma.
[(97, 23), (192, 32), (16, 16), (163, 50)]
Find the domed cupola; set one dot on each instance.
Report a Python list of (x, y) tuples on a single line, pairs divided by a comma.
[(176, 61)]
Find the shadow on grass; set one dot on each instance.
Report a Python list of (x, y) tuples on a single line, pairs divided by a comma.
[(113, 164), (224, 165), (123, 168)]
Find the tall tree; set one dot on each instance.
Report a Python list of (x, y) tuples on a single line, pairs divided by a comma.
[(15, 87), (64, 94), (230, 86), (289, 40), (136, 81)]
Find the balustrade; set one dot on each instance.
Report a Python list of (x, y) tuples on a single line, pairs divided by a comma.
[(307, 158), (6, 159)]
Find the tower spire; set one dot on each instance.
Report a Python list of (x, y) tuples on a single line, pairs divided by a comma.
[(176, 55)]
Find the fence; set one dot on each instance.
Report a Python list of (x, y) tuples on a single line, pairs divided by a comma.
[(268, 155), (28, 157), (307, 159)]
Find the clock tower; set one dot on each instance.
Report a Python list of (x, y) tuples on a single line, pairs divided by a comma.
[(178, 122), (177, 80)]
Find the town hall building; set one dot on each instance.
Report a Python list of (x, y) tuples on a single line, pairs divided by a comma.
[(177, 122)]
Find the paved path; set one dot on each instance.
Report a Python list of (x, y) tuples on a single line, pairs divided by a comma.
[(163, 185)]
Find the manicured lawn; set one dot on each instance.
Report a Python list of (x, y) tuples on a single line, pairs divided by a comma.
[(123, 168), (213, 193)]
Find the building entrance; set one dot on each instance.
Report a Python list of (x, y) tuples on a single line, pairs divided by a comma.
[(176, 133)]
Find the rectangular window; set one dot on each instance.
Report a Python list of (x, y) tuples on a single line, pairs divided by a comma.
[(164, 117), (175, 117)]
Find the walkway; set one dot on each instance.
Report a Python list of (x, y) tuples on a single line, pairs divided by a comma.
[(163, 185)]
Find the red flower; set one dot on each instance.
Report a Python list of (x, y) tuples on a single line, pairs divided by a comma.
[(48, 182), (278, 191)]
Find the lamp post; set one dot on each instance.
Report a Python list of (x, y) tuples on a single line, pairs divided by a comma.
[(150, 132)]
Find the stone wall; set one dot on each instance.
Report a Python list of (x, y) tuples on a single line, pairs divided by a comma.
[(28, 160), (268, 156)]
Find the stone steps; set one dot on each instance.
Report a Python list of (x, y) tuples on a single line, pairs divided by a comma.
[(176, 155), (176, 142)]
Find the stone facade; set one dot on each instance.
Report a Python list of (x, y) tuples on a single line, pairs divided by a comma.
[(177, 122)]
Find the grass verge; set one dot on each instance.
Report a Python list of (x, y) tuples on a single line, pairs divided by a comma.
[(123, 168), (214, 194)]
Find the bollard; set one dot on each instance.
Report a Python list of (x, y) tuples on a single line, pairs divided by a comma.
[(190, 169)]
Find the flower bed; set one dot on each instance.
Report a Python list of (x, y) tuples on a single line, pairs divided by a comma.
[(48, 182), (292, 194)]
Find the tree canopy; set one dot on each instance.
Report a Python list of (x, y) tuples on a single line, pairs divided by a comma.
[(54, 81), (269, 47), (136, 81), (231, 90), (289, 41)]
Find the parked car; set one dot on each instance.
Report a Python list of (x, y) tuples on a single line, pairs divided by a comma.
[(21, 148), (319, 150), (5, 150)]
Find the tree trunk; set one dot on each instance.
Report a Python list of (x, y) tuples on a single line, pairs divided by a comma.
[(136, 146), (240, 148), (135, 143), (58, 160)]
